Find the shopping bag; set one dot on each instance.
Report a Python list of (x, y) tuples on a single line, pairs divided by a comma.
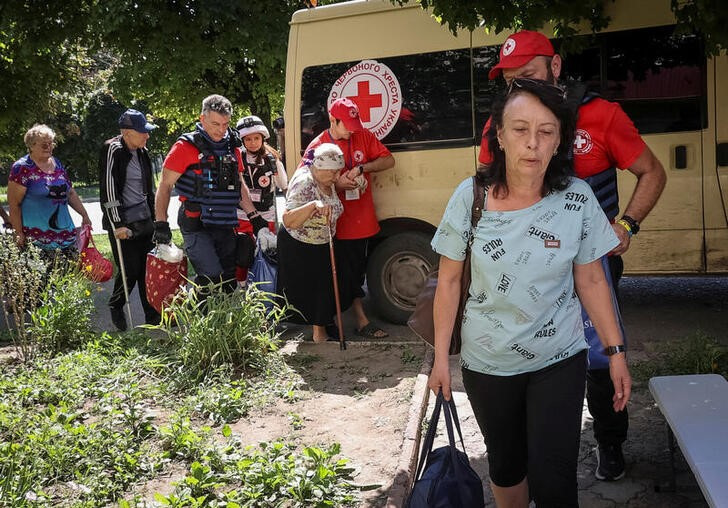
[(264, 269), (163, 279), (444, 478), (92, 263)]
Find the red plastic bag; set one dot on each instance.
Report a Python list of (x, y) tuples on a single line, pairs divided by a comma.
[(163, 279), (92, 263)]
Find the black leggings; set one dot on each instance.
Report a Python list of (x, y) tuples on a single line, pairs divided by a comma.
[(532, 425)]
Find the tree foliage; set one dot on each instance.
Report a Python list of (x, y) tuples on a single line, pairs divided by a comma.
[(706, 17), (74, 65)]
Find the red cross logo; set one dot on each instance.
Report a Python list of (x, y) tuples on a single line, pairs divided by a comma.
[(582, 142), (366, 101), (508, 46)]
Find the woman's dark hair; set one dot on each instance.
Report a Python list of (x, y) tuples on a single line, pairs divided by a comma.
[(560, 167)]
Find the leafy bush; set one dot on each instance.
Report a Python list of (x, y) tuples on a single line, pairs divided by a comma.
[(273, 474), (75, 428), (63, 318), (211, 328), (22, 274)]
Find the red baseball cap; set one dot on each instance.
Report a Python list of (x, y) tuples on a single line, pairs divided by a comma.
[(519, 49), (347, 111)]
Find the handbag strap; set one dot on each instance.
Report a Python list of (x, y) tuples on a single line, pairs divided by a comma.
[(451, 418), (429, 437), (476, 212)]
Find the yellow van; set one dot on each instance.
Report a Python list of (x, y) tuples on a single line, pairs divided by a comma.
[(426, 95)]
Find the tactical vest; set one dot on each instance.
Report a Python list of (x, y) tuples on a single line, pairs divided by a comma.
[(213, 182), (604, 183), (261, 178)]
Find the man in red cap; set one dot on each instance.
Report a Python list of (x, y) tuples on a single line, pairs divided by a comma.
[(606, 139), (363, 154)]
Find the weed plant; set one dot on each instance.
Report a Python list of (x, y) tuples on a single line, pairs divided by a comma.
[(695, 354), (222, 329), (22, 274), (63, 318), (270, 475), (77, 428)]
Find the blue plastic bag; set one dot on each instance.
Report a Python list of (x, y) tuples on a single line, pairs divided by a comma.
[(597, 358), (263, 272)]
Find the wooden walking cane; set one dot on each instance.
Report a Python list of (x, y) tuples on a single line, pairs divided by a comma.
[(342, 340)]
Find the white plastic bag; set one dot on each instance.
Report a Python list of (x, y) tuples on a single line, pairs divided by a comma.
[(267, 242), (169, 252)]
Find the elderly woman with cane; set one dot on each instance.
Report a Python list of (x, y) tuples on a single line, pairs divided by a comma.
[(537, 246), (305, 269)]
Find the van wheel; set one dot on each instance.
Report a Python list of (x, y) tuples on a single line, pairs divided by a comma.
[(396, 274)]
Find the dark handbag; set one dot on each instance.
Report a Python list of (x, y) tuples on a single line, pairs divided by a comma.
[(421, 321), (444, 477), (142, 228)]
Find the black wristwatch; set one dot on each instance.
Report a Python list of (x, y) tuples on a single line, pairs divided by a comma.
[(634, 226), (613, 350)]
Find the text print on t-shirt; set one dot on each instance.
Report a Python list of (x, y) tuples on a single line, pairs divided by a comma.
[(548, 330), (540, 234), (528, 355), (577, 199), (505, 283), (494, 248)]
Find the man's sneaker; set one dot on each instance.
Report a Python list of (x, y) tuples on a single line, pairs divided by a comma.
[(117, 317), (610, 463)]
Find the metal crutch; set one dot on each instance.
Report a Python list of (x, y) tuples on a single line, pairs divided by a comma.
[(121, 267)]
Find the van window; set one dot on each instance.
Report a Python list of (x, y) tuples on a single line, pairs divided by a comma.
[(659, 78), (436, 100), (484, 59)]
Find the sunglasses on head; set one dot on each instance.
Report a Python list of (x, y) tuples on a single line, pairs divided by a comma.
[(531, 85)]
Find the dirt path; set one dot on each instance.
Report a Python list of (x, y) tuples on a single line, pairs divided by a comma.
[(359, 398)]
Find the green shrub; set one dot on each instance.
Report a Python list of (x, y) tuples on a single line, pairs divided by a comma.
[(22, 275), (273, 474), (223, 329), (63, 318), (695, 354)]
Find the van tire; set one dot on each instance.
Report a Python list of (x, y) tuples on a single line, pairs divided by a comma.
[(396, 274)]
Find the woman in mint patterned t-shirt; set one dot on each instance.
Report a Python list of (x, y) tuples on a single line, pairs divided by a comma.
[(537, 246)]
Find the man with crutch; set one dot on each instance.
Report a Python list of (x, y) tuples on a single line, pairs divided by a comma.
[(127, 202)]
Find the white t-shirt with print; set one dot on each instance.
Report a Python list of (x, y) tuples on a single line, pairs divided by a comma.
[(522, 313)]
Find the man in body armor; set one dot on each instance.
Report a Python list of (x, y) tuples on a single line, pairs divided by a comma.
[(205, 168), (606, 139)]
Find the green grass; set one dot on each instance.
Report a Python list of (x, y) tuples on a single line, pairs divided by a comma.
[(85, 427), (87, 192), (695, 354)]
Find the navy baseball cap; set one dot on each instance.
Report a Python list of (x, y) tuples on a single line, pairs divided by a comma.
[(133, 119)]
